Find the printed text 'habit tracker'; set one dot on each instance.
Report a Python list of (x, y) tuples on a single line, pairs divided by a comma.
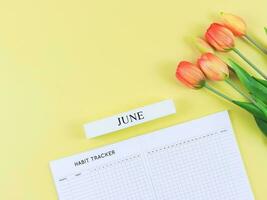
[(94, 158)]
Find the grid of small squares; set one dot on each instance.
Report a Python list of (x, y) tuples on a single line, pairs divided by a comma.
[(204, 168), (123, 179)]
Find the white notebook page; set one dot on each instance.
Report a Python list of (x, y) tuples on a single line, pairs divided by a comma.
[(197, 160)]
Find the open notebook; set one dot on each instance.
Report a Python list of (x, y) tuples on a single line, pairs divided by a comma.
[(197, 160)]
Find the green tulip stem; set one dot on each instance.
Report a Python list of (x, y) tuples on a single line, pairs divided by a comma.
[(250, 63), (256, 44), (218, 93), (233, 85)]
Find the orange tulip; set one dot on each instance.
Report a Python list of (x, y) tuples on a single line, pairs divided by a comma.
[(190, 75), (220, 37), (213, 67), (234, 23), (238, 27)]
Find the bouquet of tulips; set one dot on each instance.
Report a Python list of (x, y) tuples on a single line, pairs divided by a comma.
[(209, 67)]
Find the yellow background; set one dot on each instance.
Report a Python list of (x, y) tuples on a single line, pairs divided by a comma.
[(64, 63)]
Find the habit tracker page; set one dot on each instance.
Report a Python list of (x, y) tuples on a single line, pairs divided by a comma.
[(197, 160)]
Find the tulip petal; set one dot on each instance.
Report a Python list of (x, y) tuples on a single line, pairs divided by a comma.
[(220, 37), (234, 23), (213, 67), (224, 38), (213, 42), (190, 75)]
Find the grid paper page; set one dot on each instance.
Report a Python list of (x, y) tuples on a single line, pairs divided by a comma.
[(197, 160), (208, 166), (122, 179)]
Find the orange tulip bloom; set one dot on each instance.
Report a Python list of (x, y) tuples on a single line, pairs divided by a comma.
[(234, 23), (213, 67), (190, 75), (220, 37)]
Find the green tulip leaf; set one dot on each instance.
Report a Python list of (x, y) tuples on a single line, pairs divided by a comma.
[(260, 104), (259, 116), (253, 86), (242, 75), (261, 81), (251, 108), (262, 125), (265, 30)]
